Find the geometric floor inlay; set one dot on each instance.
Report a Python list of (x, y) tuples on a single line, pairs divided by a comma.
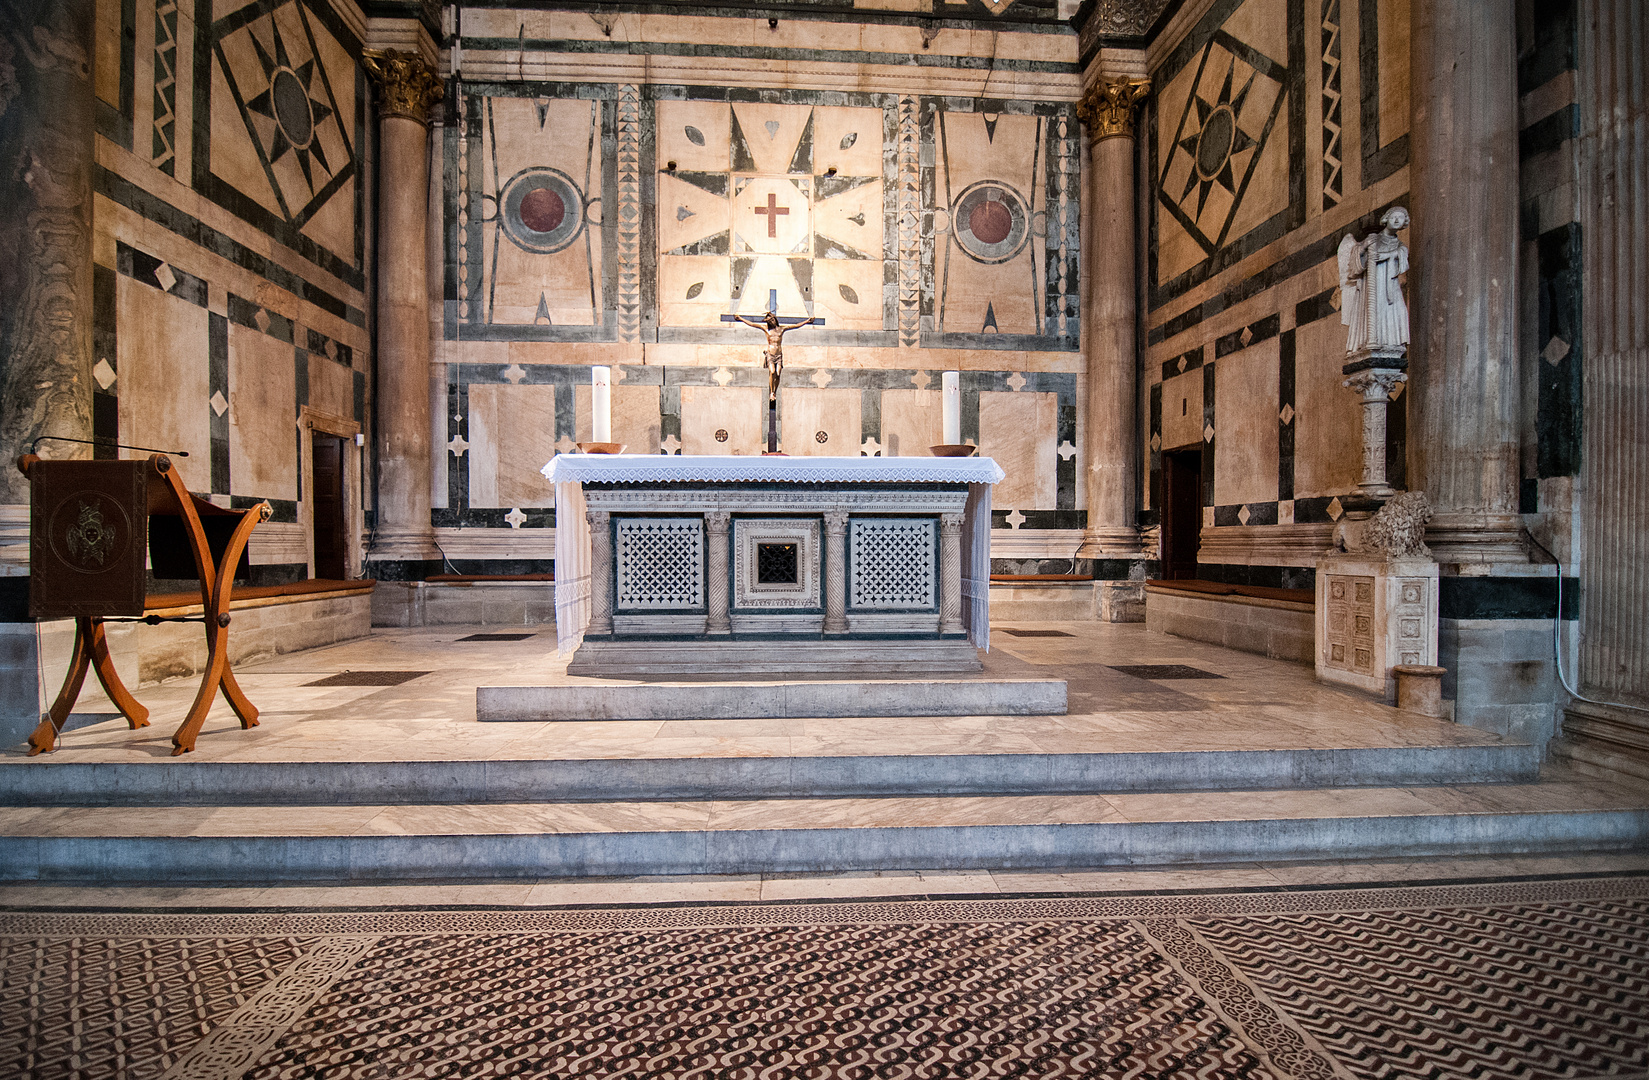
[(1163, 671), (1035, 633), (497, 637), (1539, 979)]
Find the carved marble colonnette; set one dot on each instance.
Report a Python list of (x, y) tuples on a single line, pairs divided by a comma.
[(1108, 315), (835, 527), (716, 619), (408, 87)]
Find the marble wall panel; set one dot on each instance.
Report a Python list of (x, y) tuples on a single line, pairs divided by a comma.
[(331, 387), (262, 415), (723, 419), (165, 378), (635, 416), (1182, 410), (1328, 417), (1245, 456), (805, 414), (1020, 430), (912, 421), (511, 436)]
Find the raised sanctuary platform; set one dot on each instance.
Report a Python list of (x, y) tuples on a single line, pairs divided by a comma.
[(747, 565)]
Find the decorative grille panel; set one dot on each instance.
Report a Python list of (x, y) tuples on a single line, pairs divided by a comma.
[(893, 564), (660, 563)]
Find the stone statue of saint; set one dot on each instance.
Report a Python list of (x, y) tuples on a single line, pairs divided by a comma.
[(1371, 300), (773, 358)]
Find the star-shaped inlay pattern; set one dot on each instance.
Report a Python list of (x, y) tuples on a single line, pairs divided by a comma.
[(287, 100), (1218, 139)]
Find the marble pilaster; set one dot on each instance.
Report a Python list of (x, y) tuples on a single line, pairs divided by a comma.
[(46, 124), (950, 573), (716, 619), (1108, 315), (835, 546), (408, 88), (1463, 364), (601, 574)]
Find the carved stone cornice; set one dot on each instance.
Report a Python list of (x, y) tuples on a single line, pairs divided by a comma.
[(410, 86), (1108, 107)]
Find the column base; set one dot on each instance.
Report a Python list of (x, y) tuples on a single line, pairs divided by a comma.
[(1476, 538), (1109, 540), (404, 545)]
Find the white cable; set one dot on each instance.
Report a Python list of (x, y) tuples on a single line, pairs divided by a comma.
[(40, 689), (1557, 638)]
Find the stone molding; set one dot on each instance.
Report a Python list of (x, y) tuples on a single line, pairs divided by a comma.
[(410, 85), (1108, 107), (705, 500)]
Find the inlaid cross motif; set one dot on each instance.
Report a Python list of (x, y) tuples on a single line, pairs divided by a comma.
[(772, 210)]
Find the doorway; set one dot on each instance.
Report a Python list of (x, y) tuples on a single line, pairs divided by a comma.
[(1181, 512), (327, 493)]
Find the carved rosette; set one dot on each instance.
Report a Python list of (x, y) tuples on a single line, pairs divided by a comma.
[(601, 574), (716, 620), (835, 529), (409, 85), (950, 573), (1108, 107)]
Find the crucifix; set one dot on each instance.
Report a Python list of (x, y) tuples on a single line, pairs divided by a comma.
[(773, 360), (772, 210)]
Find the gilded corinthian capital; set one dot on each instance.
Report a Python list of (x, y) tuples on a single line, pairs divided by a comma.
[(1108, 107), (410, 86)]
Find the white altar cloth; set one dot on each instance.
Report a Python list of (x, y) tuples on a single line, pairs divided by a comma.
[(569, 472)]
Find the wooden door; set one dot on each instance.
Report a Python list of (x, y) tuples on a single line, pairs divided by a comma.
[(327, 493), (1181, 512)]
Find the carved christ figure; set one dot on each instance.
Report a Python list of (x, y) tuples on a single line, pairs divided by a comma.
[(1371, 298), (773, 357)]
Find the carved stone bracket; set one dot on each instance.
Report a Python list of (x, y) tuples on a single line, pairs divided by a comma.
[(1108, 107), (410, 86)]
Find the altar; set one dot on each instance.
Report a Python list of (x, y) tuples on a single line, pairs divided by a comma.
[(771, 565)]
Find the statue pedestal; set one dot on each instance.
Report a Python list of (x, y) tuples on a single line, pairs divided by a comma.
[(1373, 614)]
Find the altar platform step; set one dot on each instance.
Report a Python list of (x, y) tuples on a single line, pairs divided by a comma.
[(846, 768), (532, 840)]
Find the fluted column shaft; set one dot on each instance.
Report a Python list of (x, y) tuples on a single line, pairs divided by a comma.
[(1463, 281), (835, 545), (601, 574), (716, 619), (408, 88), (1108, 316), (950, 573)]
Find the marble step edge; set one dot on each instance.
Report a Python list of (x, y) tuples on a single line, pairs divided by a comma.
[(772, 701), (487, 781), (422, 857), (884, 656)]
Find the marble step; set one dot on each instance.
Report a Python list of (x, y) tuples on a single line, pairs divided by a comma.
[(527, 840), (843, 768), (583, 702)]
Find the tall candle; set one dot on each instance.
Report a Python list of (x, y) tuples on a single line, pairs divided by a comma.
[(601, 404), (952, 398)]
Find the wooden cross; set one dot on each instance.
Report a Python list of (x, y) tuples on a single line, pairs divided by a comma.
[(772, 210)]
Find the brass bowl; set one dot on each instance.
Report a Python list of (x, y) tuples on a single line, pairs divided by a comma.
[(953, 450), (601, 448)]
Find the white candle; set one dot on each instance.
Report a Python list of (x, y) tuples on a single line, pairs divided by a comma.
[(952, 399), (601, 404)]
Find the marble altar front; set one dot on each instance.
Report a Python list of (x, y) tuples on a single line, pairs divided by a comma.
[(741, 565)]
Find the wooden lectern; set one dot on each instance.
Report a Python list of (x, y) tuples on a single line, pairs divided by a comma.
[(90, 523)]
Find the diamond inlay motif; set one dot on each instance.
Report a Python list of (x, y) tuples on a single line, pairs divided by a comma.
[(660, 563), (104, 374), (893, 563)]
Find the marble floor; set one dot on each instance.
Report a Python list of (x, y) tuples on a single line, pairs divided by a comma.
[(1253, 703), (1508, 978)]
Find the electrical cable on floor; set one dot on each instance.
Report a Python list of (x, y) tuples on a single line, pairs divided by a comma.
[(1557, 637), (40, 668)]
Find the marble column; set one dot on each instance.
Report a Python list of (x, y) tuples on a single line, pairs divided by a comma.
[(1108, 313), (1464, 446), (835, 545), (601, 574), (408, 88), (716, 620), (46, 124), (950, 573)]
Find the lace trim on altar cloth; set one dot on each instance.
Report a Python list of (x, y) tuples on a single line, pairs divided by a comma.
[(664, 468)]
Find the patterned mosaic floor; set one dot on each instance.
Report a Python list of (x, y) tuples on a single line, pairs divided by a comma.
[(1523, 979)]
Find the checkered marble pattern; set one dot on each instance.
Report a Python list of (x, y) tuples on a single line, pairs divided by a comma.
[(1520, 979)]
